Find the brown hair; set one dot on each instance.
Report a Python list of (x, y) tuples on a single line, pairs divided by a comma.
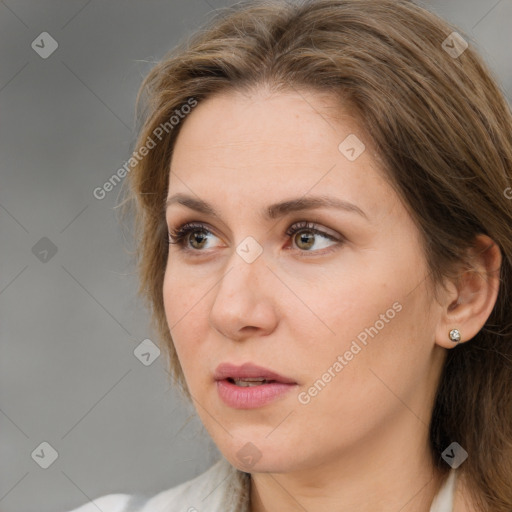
[(441, 127)]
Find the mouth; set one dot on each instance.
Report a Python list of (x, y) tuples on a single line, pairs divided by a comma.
[(247, 383), (249, 374), (250, 386)]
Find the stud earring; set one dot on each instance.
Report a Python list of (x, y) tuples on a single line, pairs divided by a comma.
[(455, 335)]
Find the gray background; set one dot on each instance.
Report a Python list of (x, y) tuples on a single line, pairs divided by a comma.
[(69, 325)]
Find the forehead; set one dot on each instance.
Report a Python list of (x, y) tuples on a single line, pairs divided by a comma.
[(272, 144), (260, 120)]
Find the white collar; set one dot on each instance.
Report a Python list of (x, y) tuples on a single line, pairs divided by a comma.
[(443, 502)]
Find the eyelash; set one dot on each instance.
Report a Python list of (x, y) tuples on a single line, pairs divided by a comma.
[(178, 236)]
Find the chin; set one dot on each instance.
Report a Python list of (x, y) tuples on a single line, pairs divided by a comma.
[(250, 455)]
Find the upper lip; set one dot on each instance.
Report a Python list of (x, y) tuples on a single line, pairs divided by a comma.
[(248, 370)]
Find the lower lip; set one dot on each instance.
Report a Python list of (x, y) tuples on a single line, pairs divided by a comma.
[(251, 397)]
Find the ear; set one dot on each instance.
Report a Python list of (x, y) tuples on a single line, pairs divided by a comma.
[(471, 299)]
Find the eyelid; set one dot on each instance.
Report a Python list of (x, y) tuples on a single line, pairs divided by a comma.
[(315, 228), (184, 229), (177, 236)]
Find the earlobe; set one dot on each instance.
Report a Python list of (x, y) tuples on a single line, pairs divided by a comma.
[(475, 294)]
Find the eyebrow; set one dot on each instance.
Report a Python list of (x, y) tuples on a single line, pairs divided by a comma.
[(272, 211)]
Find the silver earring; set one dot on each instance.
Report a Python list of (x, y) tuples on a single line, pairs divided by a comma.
[(455, 335)]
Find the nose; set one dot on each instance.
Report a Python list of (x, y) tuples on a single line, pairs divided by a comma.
[(244, 304)]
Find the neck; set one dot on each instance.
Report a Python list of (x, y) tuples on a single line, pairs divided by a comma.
[(380, 476)]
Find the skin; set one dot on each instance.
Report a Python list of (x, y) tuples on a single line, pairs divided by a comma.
[(362, 442)]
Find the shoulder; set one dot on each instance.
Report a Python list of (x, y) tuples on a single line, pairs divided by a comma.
[(109, 503), (464, 499), (216, 490), (212, 490), (451, 494)]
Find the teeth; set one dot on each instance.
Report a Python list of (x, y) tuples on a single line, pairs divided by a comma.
[(248, 382)]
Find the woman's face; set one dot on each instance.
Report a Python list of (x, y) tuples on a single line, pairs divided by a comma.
[(342, 313)]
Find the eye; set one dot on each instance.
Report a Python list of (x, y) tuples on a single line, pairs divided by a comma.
[(193, 237), (309, 235), (181, 237)]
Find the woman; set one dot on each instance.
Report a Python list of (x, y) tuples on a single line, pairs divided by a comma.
[(324, 218)]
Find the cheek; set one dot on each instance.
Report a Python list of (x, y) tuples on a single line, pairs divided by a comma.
[(185, 314), (370, 310), (345, 301), (385, 347), (184, 292), (174, 309)]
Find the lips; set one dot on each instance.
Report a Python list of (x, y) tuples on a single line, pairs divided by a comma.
[(230, 372), (250, 386)]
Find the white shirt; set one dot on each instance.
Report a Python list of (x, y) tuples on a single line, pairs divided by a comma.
[(215, 490)]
